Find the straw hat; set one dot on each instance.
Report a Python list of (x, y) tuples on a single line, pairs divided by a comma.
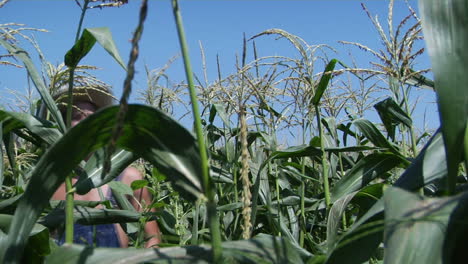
[(100, 96)]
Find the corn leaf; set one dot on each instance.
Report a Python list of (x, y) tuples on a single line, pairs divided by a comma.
[(323, 83), (86, 42), (37, 239), (392, 115), (444, 26), (415, 227), (148, 132), (37, 80), (374, 135), (42, 129), (104, 38), (80, 49), (361, 239), (1, 154), (120, 160), (364, 171), (335, 217), (428, 166), (221, 111), (90, 216), (261, 249)]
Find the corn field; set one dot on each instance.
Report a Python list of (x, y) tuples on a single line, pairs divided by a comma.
[(347, 189)]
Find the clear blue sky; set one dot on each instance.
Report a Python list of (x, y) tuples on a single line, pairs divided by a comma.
[(219, 25)]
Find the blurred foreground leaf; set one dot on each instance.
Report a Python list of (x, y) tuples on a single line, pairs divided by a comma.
[(147, 132), (444, 26), (415, 228), (261, 249)]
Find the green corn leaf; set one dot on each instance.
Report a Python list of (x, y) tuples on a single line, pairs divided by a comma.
[(330, 125), (230, 207), (367, 197), (335, 217), (80, 49), (8, 205), (352, 149), (120, 187), (120, 160), (415, 227), (428, 166), (454, 250), (444, 26), (293, 200), (392, 115), (37, 240), (37, 80), (139, 184), (361, 240), (419, 80), (90, 216), (261, 249), (86, 42), (147, 132), (104, 38), (264, 106), (364, 171), (1, 154), (42, 129), (323, 83), (8, 141), (295, 152), (221, 111), (346, 131), (374, 135), (220, 175)]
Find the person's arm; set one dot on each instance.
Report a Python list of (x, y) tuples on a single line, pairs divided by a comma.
[(142, 196)]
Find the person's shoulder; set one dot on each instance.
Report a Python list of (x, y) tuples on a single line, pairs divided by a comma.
[(131, 174)]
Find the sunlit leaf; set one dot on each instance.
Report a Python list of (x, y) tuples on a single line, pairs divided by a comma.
[(104, 38)]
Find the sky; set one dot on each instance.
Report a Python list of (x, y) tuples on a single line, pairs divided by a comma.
[(218, 25)]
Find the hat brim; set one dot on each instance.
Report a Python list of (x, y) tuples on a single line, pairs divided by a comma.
[(100, 97)]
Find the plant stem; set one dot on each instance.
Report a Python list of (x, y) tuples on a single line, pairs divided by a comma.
[(83, 12), (69, 210), (326, 187), (411, 129), (196, 212), (466, 147), (69, 204), (210, 204)]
